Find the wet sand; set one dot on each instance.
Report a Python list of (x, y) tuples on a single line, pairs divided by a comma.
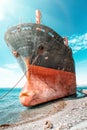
[(69, 113)]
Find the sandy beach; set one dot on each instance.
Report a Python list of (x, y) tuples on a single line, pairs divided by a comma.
[(69, 113)]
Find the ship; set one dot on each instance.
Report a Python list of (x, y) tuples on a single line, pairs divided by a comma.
[(46, 60)]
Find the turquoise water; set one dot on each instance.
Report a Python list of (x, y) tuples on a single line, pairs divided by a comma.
[(10, 107)]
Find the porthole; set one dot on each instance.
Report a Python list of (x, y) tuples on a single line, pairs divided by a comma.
[(40, 49)]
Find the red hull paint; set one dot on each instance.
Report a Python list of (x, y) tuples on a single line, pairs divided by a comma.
[(45, 84)]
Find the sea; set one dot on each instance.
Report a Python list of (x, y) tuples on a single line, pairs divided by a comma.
[(11, 109)]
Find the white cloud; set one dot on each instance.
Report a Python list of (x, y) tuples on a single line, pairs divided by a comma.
[(12, 66), (81, 75), (7, 9), (1, 16), (78, 42), (9, 77), (81, 80)]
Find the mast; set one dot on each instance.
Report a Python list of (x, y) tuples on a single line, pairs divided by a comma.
[(38, 16)]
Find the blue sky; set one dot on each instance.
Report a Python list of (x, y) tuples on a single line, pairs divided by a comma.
[(66, 17)]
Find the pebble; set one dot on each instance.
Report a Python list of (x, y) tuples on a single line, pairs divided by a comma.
[(48, 125)]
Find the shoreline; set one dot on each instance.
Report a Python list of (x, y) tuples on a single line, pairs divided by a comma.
[(64, 114)]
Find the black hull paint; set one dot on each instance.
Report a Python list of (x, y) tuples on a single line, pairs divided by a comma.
[(42, 45)]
